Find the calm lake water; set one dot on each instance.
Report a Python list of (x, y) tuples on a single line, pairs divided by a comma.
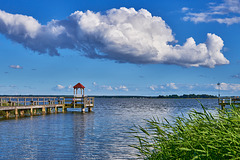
[(97, 135)]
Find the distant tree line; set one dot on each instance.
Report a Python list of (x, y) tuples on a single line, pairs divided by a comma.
[(163, 96), (188, 96)]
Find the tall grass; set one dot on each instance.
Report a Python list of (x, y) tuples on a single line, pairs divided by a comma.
[(200, 135)]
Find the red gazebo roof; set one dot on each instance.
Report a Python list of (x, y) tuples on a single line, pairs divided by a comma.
[(79, 85)]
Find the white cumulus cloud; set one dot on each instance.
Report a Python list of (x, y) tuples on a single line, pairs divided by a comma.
[(123, 35)]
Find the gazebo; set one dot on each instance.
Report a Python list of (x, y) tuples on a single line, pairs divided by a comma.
[(76, 87)]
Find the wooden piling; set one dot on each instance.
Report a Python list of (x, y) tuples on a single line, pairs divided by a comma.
[(34, 111), (56, 110), (7, 114), (63, 109), (83, 110), (22, 113), (49, 110), (31, 111), (43, 110), (223, 106), (16, 112), (89, 109)]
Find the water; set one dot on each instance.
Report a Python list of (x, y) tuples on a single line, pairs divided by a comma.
[(97, 135)]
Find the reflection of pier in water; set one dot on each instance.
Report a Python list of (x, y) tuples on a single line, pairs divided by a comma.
[(83, 135)]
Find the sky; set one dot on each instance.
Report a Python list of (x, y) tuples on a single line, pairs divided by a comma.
[(120, 47)]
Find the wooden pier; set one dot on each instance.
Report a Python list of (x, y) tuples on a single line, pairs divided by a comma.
[(15, 106), (228, 101), (19, 105)]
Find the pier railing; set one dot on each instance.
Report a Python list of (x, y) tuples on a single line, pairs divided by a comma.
[(31, 101), (76, 102), (44, 104), (228, 101)]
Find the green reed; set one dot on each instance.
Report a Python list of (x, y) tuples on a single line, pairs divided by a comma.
[(200, 135)]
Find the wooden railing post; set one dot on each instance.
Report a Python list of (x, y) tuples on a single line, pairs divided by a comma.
[(74, 102), (84, 102)]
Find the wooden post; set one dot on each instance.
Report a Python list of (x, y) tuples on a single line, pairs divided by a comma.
[(7, 114), (31, 111), (83, 110), (18, 102), (223, 106), (74, 102), (43, 110), (16, 112), (63, 108), (89, 109), (56, 109), (49, 110), (34, 111), (25, 102), (93, 101), (9, 102), (22, 112), (0, 101)]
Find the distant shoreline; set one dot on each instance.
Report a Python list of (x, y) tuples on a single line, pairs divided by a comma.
[(185, 96)]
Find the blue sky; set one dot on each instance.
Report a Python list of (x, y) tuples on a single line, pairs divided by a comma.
[(120, 47)]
